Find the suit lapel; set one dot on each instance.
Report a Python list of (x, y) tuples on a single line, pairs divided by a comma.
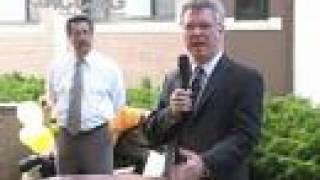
[(214, 82)]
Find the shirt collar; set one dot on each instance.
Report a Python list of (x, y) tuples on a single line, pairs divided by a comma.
[(88, 59), (210, 65)]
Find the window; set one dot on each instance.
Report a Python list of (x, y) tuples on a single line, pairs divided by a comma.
[(32, 11), (164, 10), (15, 11), (98, 10), (251, 9), (129, 10)]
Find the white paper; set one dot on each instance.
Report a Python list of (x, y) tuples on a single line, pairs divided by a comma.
[(155, 165)]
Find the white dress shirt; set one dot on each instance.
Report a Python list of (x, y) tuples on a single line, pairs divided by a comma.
[(208, 68), (103, 89)]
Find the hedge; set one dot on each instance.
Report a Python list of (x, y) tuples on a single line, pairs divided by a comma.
[(290, 143), (16, 87)]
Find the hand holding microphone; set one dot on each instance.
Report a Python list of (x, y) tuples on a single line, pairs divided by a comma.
[(181, 103), (180, 99)]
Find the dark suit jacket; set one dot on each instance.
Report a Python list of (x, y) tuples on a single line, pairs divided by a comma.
[(224, 125)]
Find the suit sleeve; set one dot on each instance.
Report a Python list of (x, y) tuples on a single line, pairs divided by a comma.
[(230, 152), (158, 130)]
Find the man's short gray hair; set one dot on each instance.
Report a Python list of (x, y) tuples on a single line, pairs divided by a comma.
[(215, 5)]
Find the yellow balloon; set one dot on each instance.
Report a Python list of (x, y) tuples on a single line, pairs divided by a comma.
[(40, 140), (127, 117)]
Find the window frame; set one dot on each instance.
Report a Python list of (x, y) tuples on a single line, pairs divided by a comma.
[(153, 17), (259, 13)]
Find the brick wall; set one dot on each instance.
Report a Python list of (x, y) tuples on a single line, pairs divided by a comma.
[(142, 54), (138, 54), (27, 52), (153, 54)]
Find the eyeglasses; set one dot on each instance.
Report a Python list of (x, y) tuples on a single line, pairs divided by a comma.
[(202, 26)]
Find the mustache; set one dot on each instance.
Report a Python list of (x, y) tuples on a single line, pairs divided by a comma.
[(198, 43), (198, 39), (83, 43)]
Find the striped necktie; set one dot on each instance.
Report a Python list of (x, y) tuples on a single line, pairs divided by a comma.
[(197, 83), (74, 119)]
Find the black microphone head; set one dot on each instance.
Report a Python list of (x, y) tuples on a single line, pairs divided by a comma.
[(184, 70)]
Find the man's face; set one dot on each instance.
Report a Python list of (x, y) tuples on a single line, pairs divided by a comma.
[(203, 36), (81, 38)]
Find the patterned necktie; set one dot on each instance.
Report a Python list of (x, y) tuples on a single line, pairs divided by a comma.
[(197, 83), (74, 119)]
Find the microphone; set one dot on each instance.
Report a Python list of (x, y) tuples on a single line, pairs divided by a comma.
[(184, 70)]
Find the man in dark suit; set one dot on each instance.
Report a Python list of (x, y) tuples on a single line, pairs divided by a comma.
[(225, 100)]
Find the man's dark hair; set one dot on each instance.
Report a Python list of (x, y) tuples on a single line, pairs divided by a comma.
[(76, 19)]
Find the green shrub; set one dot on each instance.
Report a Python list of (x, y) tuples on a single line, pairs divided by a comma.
[(144, 96), (290, 144), (16, 87)]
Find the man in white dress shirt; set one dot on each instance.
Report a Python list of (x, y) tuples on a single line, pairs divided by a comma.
[(85, 90)]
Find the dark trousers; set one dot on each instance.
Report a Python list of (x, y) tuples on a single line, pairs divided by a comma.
[(86, 153)]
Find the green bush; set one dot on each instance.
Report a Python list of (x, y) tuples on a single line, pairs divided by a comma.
[(290, 143), (144, 96), (16, 87)]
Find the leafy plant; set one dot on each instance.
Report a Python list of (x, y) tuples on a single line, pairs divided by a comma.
[(16, 87), (144, 96), (290, 143)]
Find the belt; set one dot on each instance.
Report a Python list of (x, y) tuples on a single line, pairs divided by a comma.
[(205, 178), (85, 132)]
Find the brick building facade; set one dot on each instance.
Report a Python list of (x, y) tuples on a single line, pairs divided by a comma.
[(149, 48)]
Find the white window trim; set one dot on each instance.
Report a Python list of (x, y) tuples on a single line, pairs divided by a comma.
[(21, 28), (270, 24), (138, 27)]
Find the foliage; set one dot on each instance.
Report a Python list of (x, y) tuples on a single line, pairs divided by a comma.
[(144, 96), (17, 87), (290, 144)]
